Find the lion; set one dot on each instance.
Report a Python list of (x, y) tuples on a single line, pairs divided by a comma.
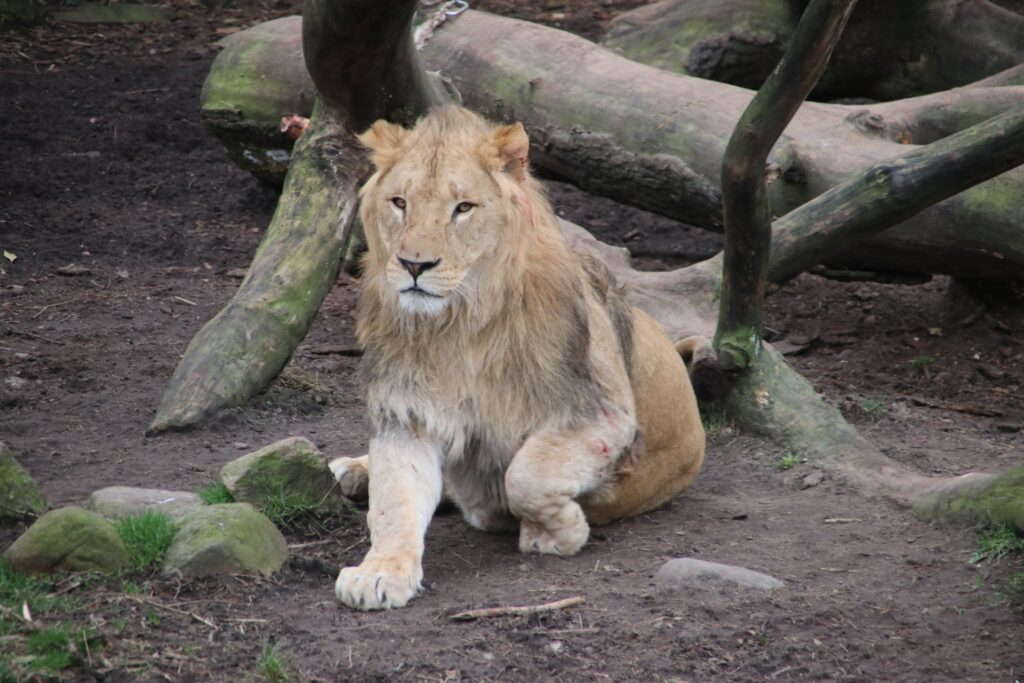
[(500, 368)]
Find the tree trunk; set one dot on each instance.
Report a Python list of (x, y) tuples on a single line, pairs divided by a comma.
[(746, 210), (889, 50), (580, 104), (367, 67)]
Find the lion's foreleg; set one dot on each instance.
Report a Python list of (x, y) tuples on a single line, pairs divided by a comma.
[(405, 488), (551, 470)]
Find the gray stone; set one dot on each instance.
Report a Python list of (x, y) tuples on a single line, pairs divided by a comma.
[(292, 469), (19, 495), (69, 539), (116, 502), (813, 479), (226, 539), (686, 572)]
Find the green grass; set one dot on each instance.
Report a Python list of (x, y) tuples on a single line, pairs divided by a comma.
[(33, 651), (1014, 593), (147, 536), (872, 407), (714, 419), (18, 589), (60, 646), (215, 494), (287, 508), (273, 665), (920, 366), (787, 462), (998, 543)]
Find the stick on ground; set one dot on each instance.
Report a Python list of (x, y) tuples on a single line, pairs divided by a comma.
[(518, 611)]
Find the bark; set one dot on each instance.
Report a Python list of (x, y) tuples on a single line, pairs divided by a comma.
[(366, 67), (247, 344), (655, 140), (746, 210), (889, 50)]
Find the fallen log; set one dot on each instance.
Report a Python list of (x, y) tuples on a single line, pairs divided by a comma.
[(740, 41), (655, 140)]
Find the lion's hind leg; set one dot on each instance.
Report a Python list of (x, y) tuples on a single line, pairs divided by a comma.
[(553, 469), (353, 476)]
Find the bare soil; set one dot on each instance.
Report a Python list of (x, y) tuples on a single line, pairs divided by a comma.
[(106, 166)]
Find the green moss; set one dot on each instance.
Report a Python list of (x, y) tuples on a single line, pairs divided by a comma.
[(19, 495), (68, 539), (224, 539), (984, 501)]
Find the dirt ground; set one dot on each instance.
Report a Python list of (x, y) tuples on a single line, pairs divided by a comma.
[(106, 166)]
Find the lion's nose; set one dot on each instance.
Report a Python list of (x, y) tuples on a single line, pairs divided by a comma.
[(417, 268)]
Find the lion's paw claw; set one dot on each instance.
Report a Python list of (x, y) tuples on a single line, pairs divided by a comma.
[(377, 584)]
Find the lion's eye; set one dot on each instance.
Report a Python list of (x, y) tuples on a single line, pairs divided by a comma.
[(399, 202), (464, 207)]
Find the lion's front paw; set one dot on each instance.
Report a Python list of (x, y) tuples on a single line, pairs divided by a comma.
[(566, 537), (353, 477), (379, 583)]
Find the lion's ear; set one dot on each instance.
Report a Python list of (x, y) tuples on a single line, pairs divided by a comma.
[(512, 146), (383, 140)]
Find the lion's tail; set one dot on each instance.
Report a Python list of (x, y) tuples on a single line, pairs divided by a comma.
[(709, 381)]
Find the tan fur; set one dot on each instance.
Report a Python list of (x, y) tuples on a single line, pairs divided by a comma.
[(517, 374)]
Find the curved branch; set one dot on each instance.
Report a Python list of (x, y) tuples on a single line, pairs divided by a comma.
[(892, 191), (746, 209), (364, 65)]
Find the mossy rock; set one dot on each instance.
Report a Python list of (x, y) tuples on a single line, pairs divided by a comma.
[(293, 471), (19, 495), (226, 539), (69, 539)]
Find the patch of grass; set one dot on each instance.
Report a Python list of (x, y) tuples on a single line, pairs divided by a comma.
[(58, 647), (17, 589), (1014, 592), (872, 407), (714, 419), (920, 366), (147, 536), (288, 508), (215, 494), (273, 665), (998, 543), (787, 462)]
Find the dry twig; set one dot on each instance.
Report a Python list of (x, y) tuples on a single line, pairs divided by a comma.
[(517, 611)]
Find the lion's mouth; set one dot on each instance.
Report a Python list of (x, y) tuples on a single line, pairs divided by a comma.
[(416, 290)]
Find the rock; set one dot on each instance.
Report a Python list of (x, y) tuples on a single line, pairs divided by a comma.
[(990, 371), (686, 572), (812, 479), (115, 502), (69, 539), (19, 495), (226, 539), (292, 467)]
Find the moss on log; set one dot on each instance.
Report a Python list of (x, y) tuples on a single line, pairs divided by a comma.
[(978, 499), (246, 345)]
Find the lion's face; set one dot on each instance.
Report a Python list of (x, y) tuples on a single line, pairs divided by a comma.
[(437, 213)]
